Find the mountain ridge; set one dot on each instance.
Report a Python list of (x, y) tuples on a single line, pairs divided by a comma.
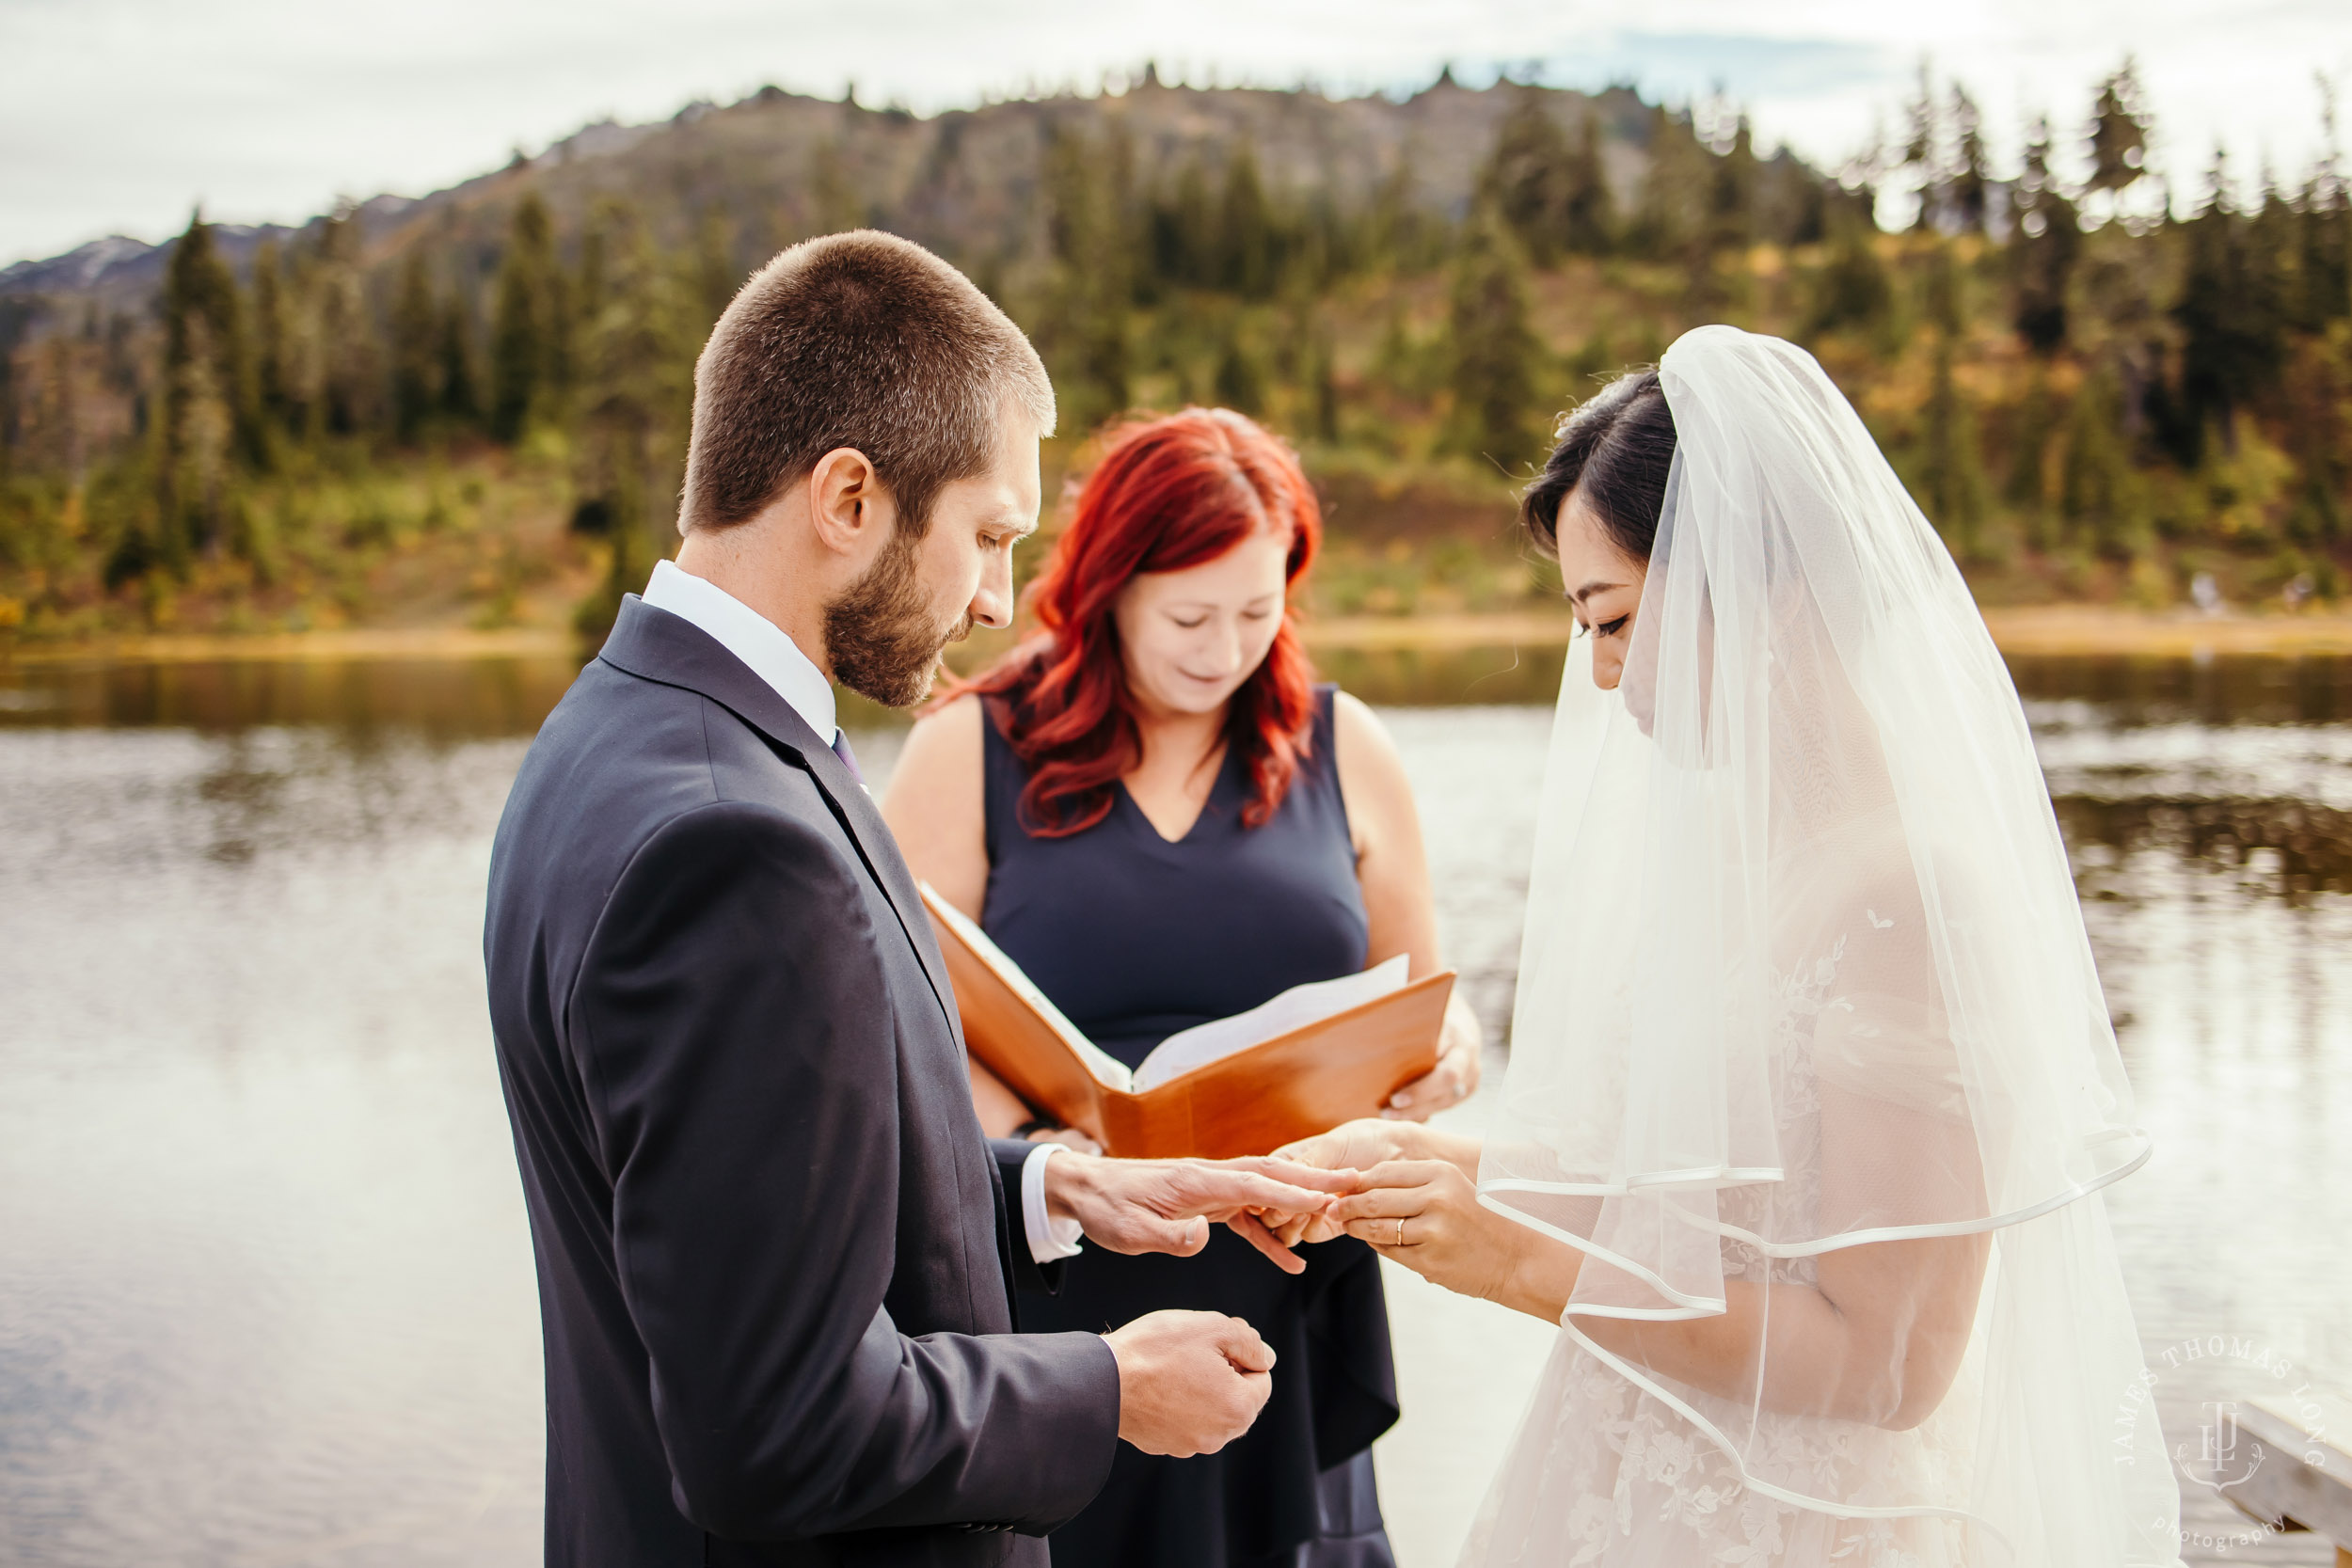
[(966, 181)]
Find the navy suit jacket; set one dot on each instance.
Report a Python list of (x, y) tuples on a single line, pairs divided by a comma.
[(773, 1250)]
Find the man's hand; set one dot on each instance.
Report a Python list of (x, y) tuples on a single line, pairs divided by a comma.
[(1188, 1381), (1168, 1205)]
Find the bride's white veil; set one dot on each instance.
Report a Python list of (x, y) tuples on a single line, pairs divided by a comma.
[(1804, 971)]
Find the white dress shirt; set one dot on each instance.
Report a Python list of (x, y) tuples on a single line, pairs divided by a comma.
[(775, 657), (750, 636)]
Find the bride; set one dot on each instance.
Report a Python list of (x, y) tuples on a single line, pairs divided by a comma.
[(1812, 1088)]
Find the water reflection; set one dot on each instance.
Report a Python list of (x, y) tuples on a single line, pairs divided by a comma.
[(436, 699), (2289, 847), (266, 1294), (2233, 690)]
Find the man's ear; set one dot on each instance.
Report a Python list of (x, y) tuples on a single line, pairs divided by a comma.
[(848, 506)]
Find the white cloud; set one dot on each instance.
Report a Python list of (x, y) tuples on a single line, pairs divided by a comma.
[(116, 114)]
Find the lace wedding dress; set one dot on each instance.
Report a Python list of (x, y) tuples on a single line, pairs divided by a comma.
[(1647, 1488), (1804, 971)]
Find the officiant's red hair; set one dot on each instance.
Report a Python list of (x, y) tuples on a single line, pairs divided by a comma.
[(1167, 493)]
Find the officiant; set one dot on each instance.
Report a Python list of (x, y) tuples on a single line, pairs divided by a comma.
[(1154, 809)]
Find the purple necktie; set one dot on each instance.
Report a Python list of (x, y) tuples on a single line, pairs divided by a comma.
[(849, 759)]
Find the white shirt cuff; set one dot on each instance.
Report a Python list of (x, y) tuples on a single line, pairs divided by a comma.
[(1049, 1238)]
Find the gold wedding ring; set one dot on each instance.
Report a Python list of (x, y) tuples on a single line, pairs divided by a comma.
[(1400, 1232)]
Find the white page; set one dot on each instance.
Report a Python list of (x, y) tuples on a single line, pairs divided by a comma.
[(1106, 1067), (1294, 1008)]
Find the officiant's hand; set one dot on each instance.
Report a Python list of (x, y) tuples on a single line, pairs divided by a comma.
[(1168, 1205), (1188, 1381), (1454, 1078)]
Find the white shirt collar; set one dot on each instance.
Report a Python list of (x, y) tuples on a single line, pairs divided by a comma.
[(750, 636)]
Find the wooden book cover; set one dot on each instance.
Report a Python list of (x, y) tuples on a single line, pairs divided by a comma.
[(1302, 1082)]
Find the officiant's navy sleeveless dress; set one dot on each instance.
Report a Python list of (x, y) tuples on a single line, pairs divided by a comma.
[(1134, 938)]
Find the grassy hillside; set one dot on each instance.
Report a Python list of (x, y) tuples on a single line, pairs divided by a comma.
[(470, 409)]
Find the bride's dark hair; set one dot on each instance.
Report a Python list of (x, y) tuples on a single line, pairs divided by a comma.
[(1617, 448)]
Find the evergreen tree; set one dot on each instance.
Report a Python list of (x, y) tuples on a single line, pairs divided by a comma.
[(1239, 380), (1526, 176), (522, 327), (2042, 256), (2275, 232), (1495, 355), (415, 350), (1182, 228), (1953, 461), (715, 275), (2231, 316), (1589, 209), (2324, 248), (1399, 236), (273, 378), (350, 382), (1967, 191), (636, 391), (2099, 496), (1670, 218), (461, 403), (589, 294), (1951, 468), (1322, 388), (1923, 150), (2032, 429), (1087, 327), (2120, 125), (1731, 197), (1244, 229), (207, 427), (1853, 290), (2318, 435)]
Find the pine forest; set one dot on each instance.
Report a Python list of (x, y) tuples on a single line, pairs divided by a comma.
[(2104, 382)]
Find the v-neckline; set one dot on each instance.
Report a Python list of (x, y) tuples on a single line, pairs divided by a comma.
[(1190, 827)]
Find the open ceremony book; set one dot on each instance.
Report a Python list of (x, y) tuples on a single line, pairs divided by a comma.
[(1312, 1057)]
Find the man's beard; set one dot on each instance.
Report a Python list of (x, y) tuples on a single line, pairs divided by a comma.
[(879, 633)]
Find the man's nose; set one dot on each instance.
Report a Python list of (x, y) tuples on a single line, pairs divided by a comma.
[(992, 606)]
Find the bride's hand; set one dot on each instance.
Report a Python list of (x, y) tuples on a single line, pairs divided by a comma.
[(1364, 1144), (1425, 1214), (1350, 1146), (1360, 1145)]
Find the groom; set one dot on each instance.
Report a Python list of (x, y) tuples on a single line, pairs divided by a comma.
[(775, 1251)]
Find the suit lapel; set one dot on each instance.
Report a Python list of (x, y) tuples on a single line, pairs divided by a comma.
[(880, 846), (656, 645)]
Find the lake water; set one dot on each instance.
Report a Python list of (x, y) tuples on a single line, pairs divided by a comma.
[(265, 1287)]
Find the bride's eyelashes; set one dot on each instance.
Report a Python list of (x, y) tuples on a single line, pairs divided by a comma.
[(1610, 628)]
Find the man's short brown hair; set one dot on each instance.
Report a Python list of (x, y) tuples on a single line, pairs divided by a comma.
[(860, 340)]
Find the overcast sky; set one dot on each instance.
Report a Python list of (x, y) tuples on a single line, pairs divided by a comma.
[(116, 116)]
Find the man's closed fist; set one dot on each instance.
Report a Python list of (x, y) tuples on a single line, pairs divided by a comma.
[(1190, 1381)]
